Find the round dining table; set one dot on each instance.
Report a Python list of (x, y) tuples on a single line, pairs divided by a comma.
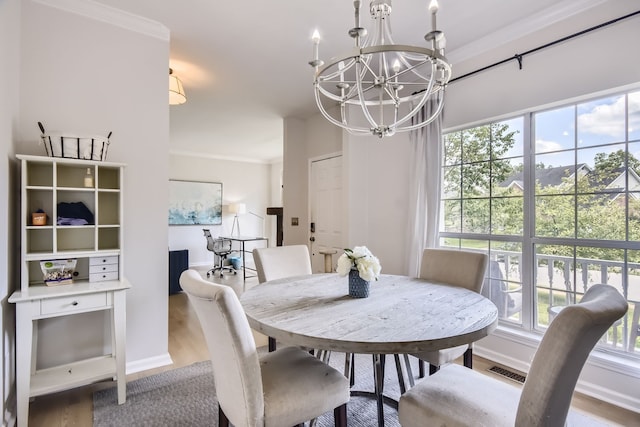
[(401, 315)]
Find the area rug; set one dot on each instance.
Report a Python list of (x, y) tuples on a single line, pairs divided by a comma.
[(186, 397)]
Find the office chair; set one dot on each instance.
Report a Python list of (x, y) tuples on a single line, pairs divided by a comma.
[(221, 247)]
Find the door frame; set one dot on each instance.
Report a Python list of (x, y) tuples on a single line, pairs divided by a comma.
[(311, 160)]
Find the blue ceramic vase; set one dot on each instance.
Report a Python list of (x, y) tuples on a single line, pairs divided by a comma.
[(358, 287)]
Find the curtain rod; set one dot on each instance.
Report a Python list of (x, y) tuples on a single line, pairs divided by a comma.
[(519, 56)]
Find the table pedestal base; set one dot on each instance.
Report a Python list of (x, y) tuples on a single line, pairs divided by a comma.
[(378, 375)]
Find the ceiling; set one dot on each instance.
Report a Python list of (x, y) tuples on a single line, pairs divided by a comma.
[(244, 64)]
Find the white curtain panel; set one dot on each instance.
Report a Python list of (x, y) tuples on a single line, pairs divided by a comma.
[(424, 206)]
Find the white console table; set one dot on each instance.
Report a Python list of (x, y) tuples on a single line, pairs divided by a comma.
[(47, 302)]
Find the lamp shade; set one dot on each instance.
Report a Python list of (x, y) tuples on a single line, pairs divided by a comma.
[(238, 208), (176, 91)]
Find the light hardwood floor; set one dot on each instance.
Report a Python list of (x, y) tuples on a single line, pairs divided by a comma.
[(187, 346)]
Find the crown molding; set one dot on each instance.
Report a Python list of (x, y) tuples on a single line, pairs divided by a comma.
[(559, 12), (110, 15)]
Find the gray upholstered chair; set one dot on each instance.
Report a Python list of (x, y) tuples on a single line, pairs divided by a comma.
[(464, 269), (280, 262), (283, 388), (456, 396), (496, 288)]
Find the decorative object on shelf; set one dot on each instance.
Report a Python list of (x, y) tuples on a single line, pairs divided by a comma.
[(362, 267), (57, 144), (88, 179), (380, 86), (237, 209), (176, 91), (58, 271), (195, 203), (39, 217)]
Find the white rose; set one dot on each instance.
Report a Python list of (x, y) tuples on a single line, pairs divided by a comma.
[(344, 265), (360, 251), (369, 268)]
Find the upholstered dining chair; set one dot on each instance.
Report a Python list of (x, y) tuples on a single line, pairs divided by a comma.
[(282, 261), (456, 396), (279, 262), (282, 388), (460, 268)]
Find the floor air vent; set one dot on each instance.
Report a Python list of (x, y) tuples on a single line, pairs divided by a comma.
[(508, 374)]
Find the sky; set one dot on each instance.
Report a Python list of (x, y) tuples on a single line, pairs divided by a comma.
[(600, 121)]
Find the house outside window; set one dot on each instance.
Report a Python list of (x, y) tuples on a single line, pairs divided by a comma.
[(554, 198)]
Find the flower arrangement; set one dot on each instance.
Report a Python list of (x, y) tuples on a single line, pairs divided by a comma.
[(363, 260)]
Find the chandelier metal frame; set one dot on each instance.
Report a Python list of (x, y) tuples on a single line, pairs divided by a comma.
[(389, 82)]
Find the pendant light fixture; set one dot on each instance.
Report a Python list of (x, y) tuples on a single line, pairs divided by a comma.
[(176, 91)]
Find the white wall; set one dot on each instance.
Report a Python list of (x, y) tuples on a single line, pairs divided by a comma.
[(84, 75), (303, 140), (378, 180), (600, 60), (377, 177), (296, 182), (242, 182), (9, 103)]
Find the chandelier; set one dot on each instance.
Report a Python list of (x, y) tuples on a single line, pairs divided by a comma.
[(380, 86)]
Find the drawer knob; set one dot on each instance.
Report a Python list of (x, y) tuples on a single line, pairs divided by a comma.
[(74, 303)]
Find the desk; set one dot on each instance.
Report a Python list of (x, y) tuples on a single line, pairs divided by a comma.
[(243, 240), (44, 302), (402, 315)]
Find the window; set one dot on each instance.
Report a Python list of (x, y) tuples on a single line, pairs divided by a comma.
[(557, 208)]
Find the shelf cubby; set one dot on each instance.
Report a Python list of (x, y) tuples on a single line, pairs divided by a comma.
[(109, 208), (39, 174)]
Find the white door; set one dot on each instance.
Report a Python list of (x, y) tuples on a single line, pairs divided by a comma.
[(326, 211)]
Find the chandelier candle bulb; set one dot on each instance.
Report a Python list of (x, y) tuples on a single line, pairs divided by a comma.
[(316, 43), (315, 62)]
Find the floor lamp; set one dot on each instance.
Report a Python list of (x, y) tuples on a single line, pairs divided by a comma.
[(237, 209), (262, 218)]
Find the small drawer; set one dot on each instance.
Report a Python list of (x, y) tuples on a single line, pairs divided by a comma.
[(73, 303), (103, 260), (106, 268), (102, 277)]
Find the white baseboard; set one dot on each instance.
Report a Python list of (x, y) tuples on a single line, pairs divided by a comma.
[(149, 363)]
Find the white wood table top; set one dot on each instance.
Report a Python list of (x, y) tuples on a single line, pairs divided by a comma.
[(401, 314)]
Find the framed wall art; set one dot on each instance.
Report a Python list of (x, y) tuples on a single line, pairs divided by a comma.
[(195, 203)]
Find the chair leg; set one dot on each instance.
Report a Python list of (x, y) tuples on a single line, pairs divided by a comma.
[(420, 368), (352, 375), (272, 344), (223, 421), (340, 416), (433, 369), (468, 358)]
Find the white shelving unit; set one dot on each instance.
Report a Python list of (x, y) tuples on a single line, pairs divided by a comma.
[(98, 283)]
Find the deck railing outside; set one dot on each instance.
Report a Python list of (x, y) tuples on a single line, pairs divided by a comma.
[(560, 281)]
